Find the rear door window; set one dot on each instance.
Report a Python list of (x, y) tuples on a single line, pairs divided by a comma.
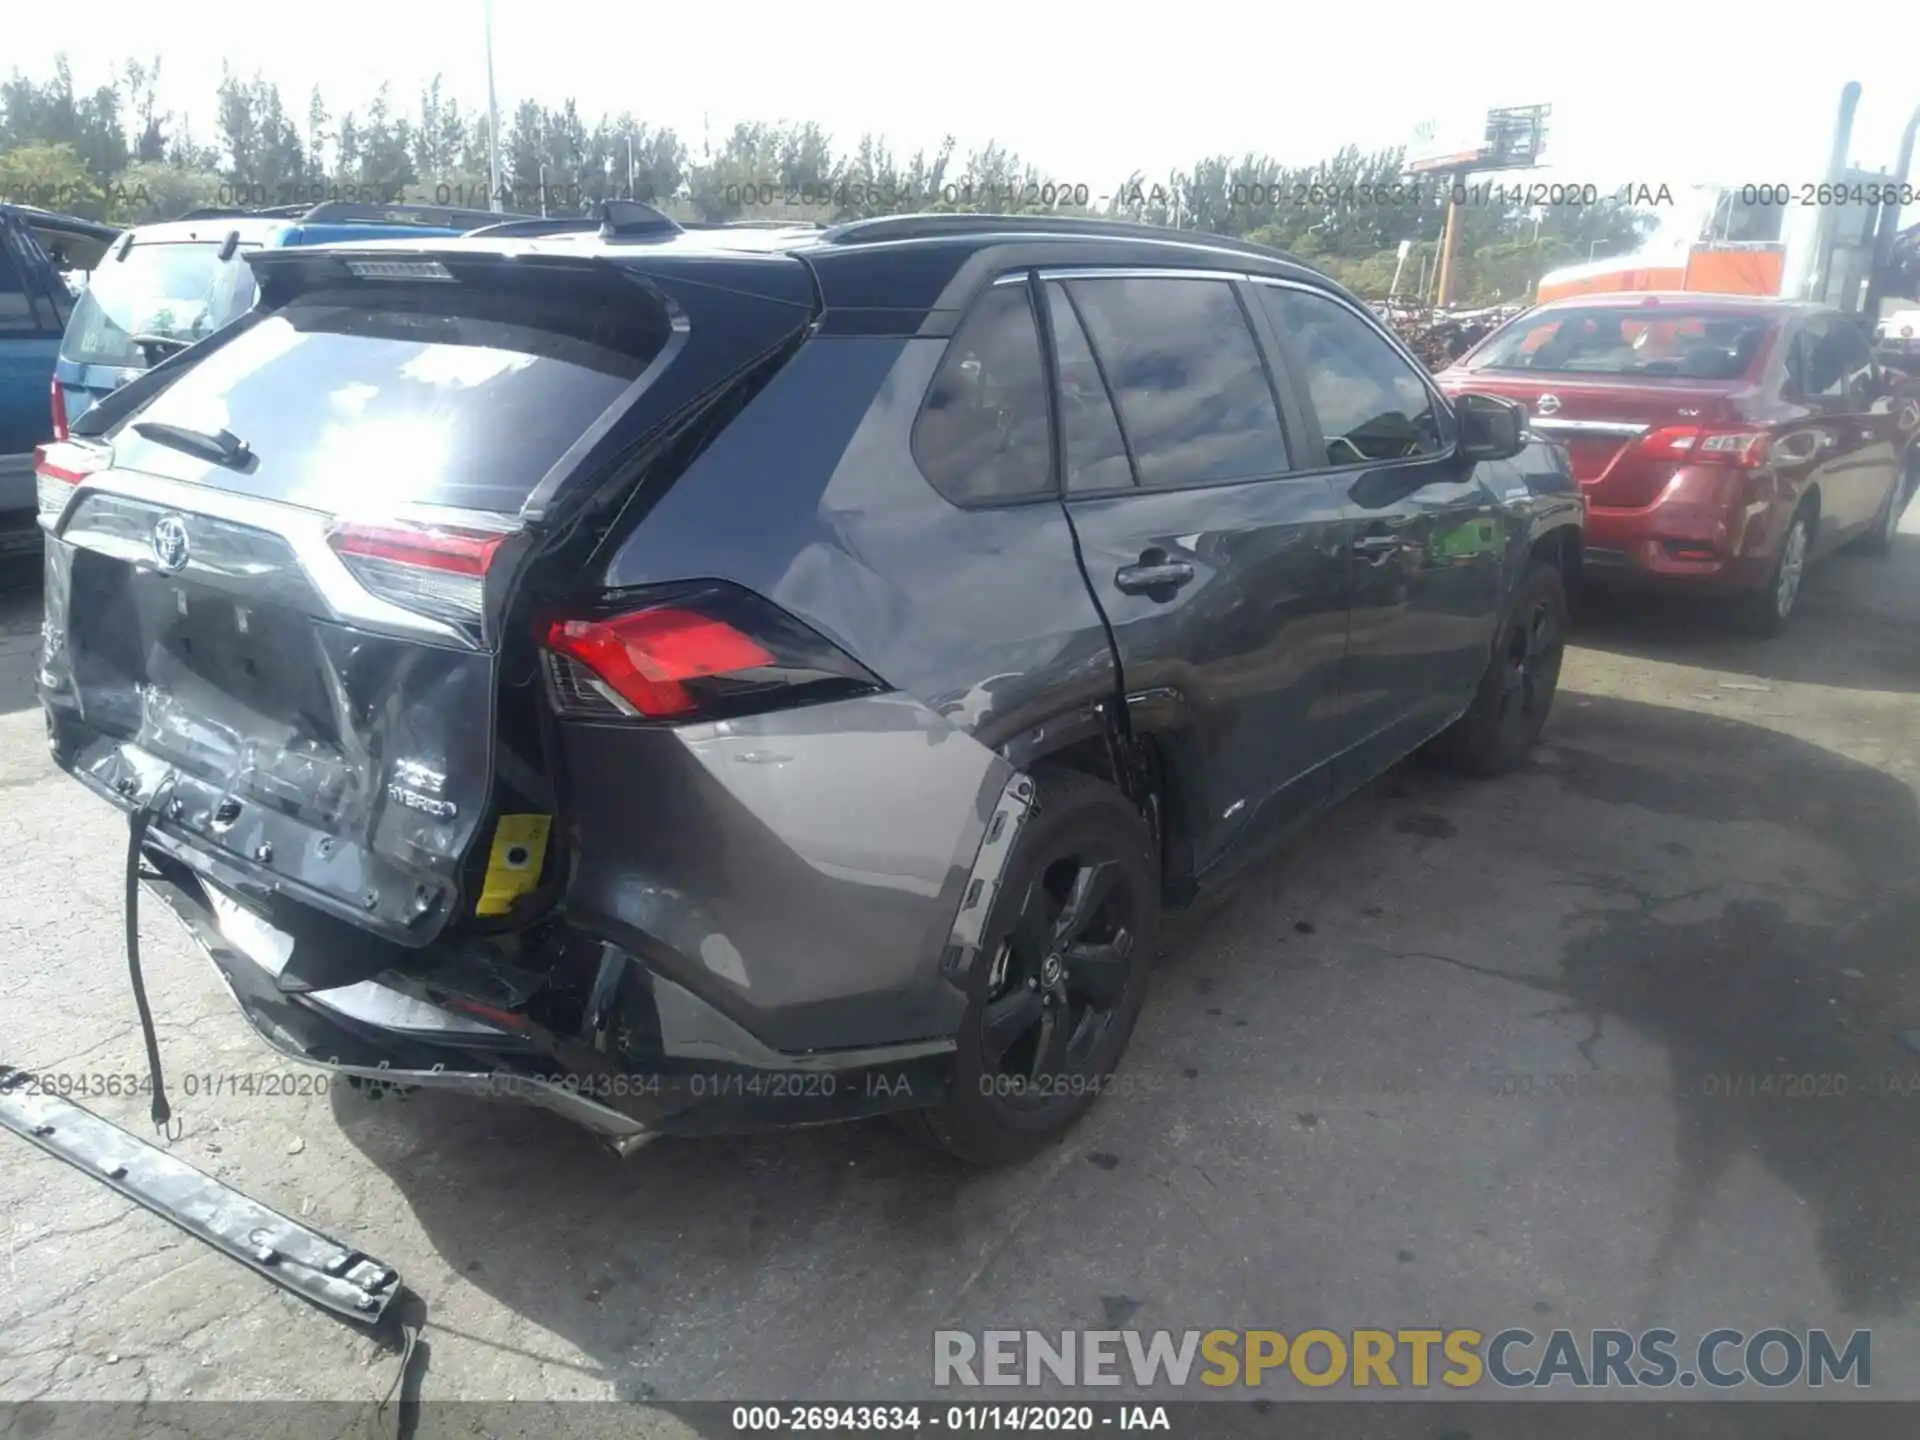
[(16, 310), (180, 292), (1185, 373), (1096, 452), (385, 394), (982, 436)]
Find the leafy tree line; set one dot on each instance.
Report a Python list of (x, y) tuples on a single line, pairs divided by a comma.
[(116, 154)]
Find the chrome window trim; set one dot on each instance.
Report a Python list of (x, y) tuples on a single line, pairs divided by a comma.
[(1140, 272)]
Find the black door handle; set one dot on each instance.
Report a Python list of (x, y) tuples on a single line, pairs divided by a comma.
[(1155, 578), (1376, 547)]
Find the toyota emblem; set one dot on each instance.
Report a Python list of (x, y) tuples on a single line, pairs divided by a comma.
[(1548, 404), (169, 542), (1050, 972)]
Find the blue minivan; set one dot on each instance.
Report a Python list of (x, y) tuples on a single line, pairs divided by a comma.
[(164, 286)]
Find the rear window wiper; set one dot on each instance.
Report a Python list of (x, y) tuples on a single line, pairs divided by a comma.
[(222, 447)]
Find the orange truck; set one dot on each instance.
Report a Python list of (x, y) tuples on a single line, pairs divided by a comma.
[(1728, 269)]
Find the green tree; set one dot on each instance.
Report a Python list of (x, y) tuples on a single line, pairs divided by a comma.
[(51, 176)]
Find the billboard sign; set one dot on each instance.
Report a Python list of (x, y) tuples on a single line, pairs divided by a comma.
[(1464, 138), (1450, 140)]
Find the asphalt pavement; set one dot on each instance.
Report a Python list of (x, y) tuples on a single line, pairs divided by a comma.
[(1471, 1053)]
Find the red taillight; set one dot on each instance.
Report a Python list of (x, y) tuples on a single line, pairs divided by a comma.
[(57, 468), (59, 410), (697, 652), (457, 552), (437, 569), (1693, 445), (645, 658)]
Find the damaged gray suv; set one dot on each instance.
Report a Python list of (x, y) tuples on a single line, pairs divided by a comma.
[(695, 679)]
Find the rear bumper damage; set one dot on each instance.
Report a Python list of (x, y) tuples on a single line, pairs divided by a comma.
[(708, 1075), (767, 919), (292, 1255)]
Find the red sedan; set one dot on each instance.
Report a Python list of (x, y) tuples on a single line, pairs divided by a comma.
[(1722, 442)]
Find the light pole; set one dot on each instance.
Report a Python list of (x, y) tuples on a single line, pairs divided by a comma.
[(493, 120)]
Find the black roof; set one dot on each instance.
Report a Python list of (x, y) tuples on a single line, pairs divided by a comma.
[(896, 274)]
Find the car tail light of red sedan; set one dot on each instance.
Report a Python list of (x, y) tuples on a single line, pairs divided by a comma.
[(1690, 444)]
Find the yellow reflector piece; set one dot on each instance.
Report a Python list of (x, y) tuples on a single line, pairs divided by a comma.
[(513, 869)]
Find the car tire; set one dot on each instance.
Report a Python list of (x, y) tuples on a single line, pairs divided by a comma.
[(1522, 676), (1018, 1084), (1768, 610)]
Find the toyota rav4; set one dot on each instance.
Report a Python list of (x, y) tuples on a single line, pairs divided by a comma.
[(704, 679)]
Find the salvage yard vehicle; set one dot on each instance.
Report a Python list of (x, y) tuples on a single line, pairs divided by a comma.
[(1723, 443), (701, 680), (39, 250)]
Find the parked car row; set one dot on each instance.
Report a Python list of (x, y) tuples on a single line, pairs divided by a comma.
[(696, 679), (38, 252), (86, 306), (1723, 443)]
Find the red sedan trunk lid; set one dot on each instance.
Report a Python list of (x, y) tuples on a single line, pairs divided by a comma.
[(1606, 423), (1606, 380)]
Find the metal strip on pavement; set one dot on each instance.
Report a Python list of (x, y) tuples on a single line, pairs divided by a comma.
[(314, 1266)]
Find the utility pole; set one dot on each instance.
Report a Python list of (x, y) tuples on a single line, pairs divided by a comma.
[(1450, 239), (493, 119), (630, 194)]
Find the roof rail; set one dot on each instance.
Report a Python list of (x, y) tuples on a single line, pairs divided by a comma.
[(751, 225), (939, 223), (401, 212), (225, 212)]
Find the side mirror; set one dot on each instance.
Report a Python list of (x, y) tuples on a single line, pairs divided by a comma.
[(1490, 428)]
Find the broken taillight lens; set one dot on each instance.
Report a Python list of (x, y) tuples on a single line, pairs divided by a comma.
[(57, 468), (691, 653), (431, 568)]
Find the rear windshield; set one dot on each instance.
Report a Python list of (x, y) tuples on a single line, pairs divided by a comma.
[(1612, 340), (427, 394), (173, 292)]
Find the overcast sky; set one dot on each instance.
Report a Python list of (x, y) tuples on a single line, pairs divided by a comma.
[(1670, 92)]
